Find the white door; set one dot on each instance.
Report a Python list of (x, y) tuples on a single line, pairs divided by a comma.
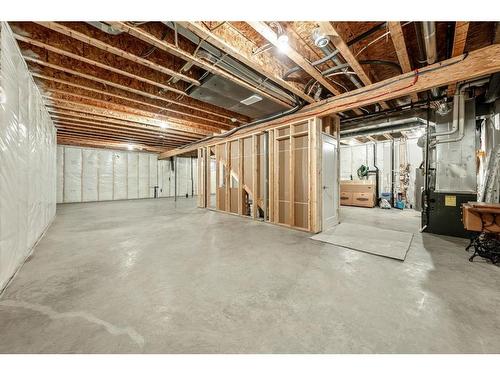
[(330, 183)]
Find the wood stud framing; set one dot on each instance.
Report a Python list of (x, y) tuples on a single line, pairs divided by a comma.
[(235, 169)]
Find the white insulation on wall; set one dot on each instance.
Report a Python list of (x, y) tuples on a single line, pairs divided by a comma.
[(90, 174), (27, 160)]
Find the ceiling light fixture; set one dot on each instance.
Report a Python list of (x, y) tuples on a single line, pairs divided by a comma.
[(320, 38), (130, 147), (163, 125), (283, 42)]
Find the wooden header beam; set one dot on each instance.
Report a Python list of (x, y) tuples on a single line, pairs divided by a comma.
[(476, 64)]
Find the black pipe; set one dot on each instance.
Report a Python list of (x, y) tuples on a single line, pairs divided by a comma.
[(426, 192), (493, 92), (392, 174), (377, 190), (391, 64), (411, 106)]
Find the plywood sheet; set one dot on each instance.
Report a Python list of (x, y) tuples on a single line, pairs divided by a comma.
[(382, 242)]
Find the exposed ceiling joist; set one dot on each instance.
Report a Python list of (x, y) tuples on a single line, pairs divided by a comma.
[(98, 64), (116, 51), (475, 64), (265, 31), (119, 115), (117, 128), (89, 130), (172, 49), (78, 135), (348, 56), (70, 97), (459, 40), (230, 41), (72, 140), (50, 82), (64, 114), (116, 85), (398, 40)]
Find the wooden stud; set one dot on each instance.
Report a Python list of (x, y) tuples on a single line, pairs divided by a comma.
[(240, 176), (255, 173), (270, 169), (291, 177)]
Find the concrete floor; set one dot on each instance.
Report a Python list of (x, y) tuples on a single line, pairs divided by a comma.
[(154, 276)]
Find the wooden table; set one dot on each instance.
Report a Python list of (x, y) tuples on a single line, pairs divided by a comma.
[(483, 218)]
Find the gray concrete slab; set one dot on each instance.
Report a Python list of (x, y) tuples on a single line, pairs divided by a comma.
[(155, 276)]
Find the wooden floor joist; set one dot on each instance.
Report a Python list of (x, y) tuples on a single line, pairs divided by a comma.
[(170, 48), (120, 128), (128, 117), (71, 140), (122, 86), (227, 39), (348, 56), (52, 84), (398, 40), (98, 64), (61, 114), (476, 64), (116, 51), (81, 99), (263, 29), (459, 40)]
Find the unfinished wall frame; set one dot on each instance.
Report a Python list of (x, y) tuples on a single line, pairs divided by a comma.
[(272, 175)]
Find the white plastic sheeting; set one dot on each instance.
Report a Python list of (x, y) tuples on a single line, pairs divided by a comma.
[(27, 160), (90, 174), (187, 177)]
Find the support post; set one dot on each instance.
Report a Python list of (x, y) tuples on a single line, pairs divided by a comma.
[(266, 176), (175, 178)]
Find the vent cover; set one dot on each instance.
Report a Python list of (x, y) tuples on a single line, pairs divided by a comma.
[(251, 100)]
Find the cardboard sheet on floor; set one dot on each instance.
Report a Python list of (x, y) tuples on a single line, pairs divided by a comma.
[(373, 240)]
